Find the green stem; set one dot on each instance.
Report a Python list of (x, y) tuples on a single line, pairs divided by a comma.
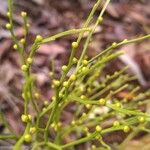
[(50, 119), (10, 9), (124, 42), (37, 145), (52, 145), (17, 146), (82, 140), (90, 35), (5, 137), (65, 33)]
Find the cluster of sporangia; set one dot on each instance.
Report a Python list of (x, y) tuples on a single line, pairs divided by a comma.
[(25, 118), (27, 62)]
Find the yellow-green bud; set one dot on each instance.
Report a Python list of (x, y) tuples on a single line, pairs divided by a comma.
[(88, 134), (98, 137), (81, 87), (8, 26), (73, 122), (118, 105), (45, 103), (75, 60), (61, 95), (64, 68), (66, 84), (85, 69), (141, 119), (28, 25), (29, 117), (15, 46), (102, 101), (115, 73), (108, 77), (23, 14), (74, 45), (98, 128), (53, 98), (23, 95), (44, 109), (24, 68), (125, 40), (84, 115), (27, 138), (86, 129), (82, 96), (56, 83), (88, 106), (56, 128), (38, 39), (100, 19), (52, 86), (59, 124), (114, 45), (116, 123), (51, 74), (126, 129), (85, 62), (32, 130), (73, 77), (37, 95), (22, 41), (29, 60), (93, 147), (24, 118), (89, 90), (53, 125), (8, 14)]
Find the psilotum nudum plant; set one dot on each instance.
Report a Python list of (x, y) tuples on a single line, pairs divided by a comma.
[(98, 110)]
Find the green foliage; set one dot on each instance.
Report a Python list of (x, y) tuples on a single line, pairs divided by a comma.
[(84, 89)]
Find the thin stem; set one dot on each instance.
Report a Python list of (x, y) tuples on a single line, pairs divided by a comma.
[(17, 146), (52, 145), (82, 140), (73, 51), (124, 42), (37, 145), (65, 33), (5, 137), (90, 17), (90, 35), (10, 9)]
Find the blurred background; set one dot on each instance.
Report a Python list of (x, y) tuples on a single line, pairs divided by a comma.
[(123, 19)]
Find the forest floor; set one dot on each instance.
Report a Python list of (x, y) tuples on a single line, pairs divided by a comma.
[(123, 19)]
